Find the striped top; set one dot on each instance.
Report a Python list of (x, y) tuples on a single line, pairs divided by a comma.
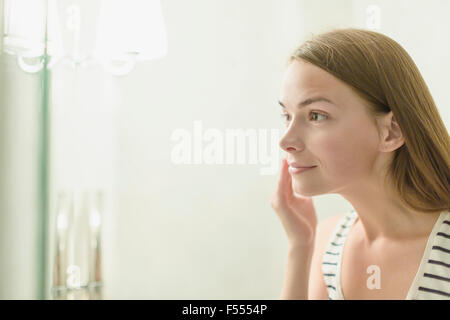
[(432, 280)]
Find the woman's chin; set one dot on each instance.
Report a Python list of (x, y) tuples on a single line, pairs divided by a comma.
[(305, 191)]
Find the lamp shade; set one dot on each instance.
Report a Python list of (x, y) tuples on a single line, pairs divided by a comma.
[(24, 26), (81, 31), (29, 28)]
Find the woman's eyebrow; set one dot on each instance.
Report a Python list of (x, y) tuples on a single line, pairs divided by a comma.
[(309, 101)]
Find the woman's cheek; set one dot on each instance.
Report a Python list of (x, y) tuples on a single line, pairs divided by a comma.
[(339, 154)]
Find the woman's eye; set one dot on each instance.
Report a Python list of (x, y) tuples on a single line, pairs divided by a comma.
[(286, 117), (320, 114)]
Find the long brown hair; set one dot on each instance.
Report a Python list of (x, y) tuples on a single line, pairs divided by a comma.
[(386, 77)]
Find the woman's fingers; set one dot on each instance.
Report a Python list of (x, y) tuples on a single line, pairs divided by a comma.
[(285, 182), (283, 196), (297, 213)]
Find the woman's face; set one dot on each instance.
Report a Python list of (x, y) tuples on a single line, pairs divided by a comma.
[(339, 136)]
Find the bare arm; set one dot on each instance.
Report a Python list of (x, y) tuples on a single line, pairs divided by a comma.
[(297, 273), (304, 279)]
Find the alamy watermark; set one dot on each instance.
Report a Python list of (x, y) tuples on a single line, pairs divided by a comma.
[(373, 20), (231, 147), (374, 280)]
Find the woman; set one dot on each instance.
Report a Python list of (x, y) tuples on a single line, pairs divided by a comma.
[(362, 123)]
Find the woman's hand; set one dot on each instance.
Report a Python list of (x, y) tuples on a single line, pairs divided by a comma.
[(297, 213)]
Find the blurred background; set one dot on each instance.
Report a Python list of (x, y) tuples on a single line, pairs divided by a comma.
[(139, 139)]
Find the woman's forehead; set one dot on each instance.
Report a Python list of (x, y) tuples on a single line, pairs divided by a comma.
[(304, 80)]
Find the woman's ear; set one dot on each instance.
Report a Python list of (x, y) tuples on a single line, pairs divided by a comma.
[(390, 133)]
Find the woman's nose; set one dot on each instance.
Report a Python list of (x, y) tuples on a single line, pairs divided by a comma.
[(289, 144), (292, 140)]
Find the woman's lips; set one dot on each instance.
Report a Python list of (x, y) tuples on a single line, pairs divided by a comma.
[(294, 170)]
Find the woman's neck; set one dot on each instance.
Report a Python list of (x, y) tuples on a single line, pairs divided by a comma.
[(382, 216)]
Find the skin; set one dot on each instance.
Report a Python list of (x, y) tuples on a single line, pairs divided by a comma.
[(352, 150)]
